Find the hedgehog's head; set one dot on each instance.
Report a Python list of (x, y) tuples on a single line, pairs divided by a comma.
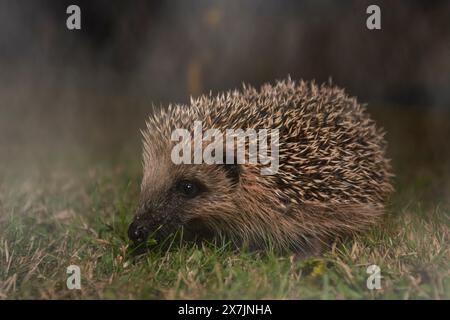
[(197, 197), (180, 195)]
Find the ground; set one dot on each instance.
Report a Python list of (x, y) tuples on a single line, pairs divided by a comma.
[(68, 204)]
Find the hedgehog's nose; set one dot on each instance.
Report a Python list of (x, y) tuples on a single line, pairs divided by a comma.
[(137, 232)]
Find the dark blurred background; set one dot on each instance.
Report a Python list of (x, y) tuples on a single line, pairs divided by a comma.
[(168, 50), (93, 87)]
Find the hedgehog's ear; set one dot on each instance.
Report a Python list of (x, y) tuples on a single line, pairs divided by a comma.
[(232, 169), (233, 172)]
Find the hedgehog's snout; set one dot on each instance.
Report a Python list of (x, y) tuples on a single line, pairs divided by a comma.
[(152, 223), (137, 232)]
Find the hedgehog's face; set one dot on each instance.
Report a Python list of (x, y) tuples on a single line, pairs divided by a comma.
[(195, 197)]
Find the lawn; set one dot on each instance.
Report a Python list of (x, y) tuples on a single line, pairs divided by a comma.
[(67, 204)]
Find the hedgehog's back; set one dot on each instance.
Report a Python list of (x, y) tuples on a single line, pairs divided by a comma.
[(330, 149)]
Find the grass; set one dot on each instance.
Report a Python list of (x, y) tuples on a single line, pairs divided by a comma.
[(66, 212)]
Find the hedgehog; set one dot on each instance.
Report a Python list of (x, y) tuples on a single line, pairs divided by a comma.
[(333, 178)]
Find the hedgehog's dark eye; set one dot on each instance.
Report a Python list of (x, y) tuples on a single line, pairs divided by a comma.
[(189, 188)]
